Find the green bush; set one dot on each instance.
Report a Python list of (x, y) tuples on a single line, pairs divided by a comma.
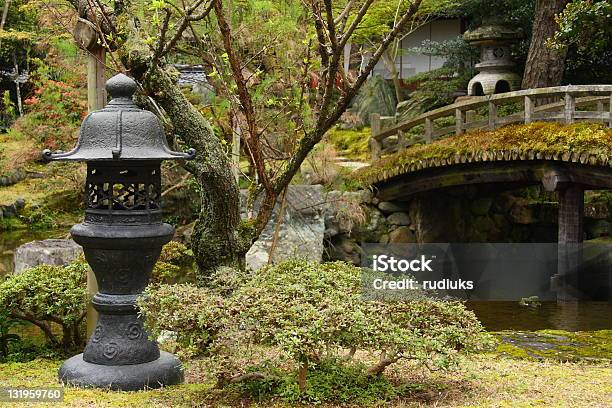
[(175, 265), (6, 339), (329, 381), (195, 314), (49, 296), (309, 313)]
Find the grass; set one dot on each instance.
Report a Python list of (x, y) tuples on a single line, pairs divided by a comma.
[(581, 141), (484, 381)]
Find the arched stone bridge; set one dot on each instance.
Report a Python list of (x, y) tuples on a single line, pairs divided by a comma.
[(566, 157)]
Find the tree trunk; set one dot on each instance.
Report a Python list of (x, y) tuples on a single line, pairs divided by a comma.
[(389, 61), (302, 375), (544, 66), (219, 237)]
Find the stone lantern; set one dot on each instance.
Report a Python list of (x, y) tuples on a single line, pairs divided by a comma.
[(495, 67), (122, 236)]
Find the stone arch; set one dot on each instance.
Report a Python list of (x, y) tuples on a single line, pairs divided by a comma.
[(477, 89), (502, 86)]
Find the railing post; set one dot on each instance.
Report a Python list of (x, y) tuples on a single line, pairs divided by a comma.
[(459, 121), (428, 130), (528, 109), (375, 145), (401, 141), (469, 116), (610, 111), (570, 108), (492, 115)]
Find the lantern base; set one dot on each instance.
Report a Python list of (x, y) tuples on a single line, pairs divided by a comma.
[(166, 370)]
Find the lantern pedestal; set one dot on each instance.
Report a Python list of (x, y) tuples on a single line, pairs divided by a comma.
[(119, 353), (166, 370)]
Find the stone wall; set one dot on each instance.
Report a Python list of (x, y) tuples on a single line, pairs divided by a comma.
[(456, 215)]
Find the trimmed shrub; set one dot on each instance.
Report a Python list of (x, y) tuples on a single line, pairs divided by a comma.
[(308, 313), (46, 295)]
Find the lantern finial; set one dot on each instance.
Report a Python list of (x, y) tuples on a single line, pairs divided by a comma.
[(121, 86)]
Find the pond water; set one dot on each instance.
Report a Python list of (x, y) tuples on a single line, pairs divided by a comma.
[(570, 316), (495, 315)]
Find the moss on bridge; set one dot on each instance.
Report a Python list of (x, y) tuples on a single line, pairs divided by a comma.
[(586, 143)]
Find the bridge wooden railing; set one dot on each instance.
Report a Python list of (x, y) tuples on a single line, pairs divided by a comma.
[(536, 107)]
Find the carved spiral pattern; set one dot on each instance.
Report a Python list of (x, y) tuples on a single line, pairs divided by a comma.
[(110, 350), (123, 275), (134, 331), (97, 334)]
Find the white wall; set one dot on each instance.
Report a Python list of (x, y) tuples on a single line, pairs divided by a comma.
[(409, 64)]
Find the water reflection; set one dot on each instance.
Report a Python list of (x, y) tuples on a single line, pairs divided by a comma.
[(570, 316)]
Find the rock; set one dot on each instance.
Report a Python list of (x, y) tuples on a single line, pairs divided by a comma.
[(399, 218), (483, 224), (389, 207), (411, 108), (301, 232), (374, 227), (481, 206), (342, 248), (20, 203), (48, 251), (401, 235), (384, 239)]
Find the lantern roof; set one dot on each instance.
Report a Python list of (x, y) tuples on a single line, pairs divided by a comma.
[(120, 131)]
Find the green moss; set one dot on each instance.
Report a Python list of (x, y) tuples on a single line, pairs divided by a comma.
[(557, 345), (512, 351), (546, 139), (352, 144)]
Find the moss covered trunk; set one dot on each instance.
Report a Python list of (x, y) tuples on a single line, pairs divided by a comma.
[(216, 240)]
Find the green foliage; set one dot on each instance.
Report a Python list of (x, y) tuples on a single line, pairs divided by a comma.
[(7, 109), (197, 315), (457, 54), (382, 15), (436, 88), (586, 32), (310, 313), (46, 295), (330, 381), (586, 24), (353, 144), (6, 324), (175, 264), (17, 37)]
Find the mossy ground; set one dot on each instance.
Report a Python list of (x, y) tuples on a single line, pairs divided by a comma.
[(557, 345), (484, 380), (543, 138), (351, 144)]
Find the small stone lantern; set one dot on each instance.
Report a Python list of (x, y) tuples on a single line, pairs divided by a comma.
[(495, 67), (122, 236)]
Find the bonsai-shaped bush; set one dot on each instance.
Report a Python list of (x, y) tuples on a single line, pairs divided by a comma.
[(45, 295), (310, 313)]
